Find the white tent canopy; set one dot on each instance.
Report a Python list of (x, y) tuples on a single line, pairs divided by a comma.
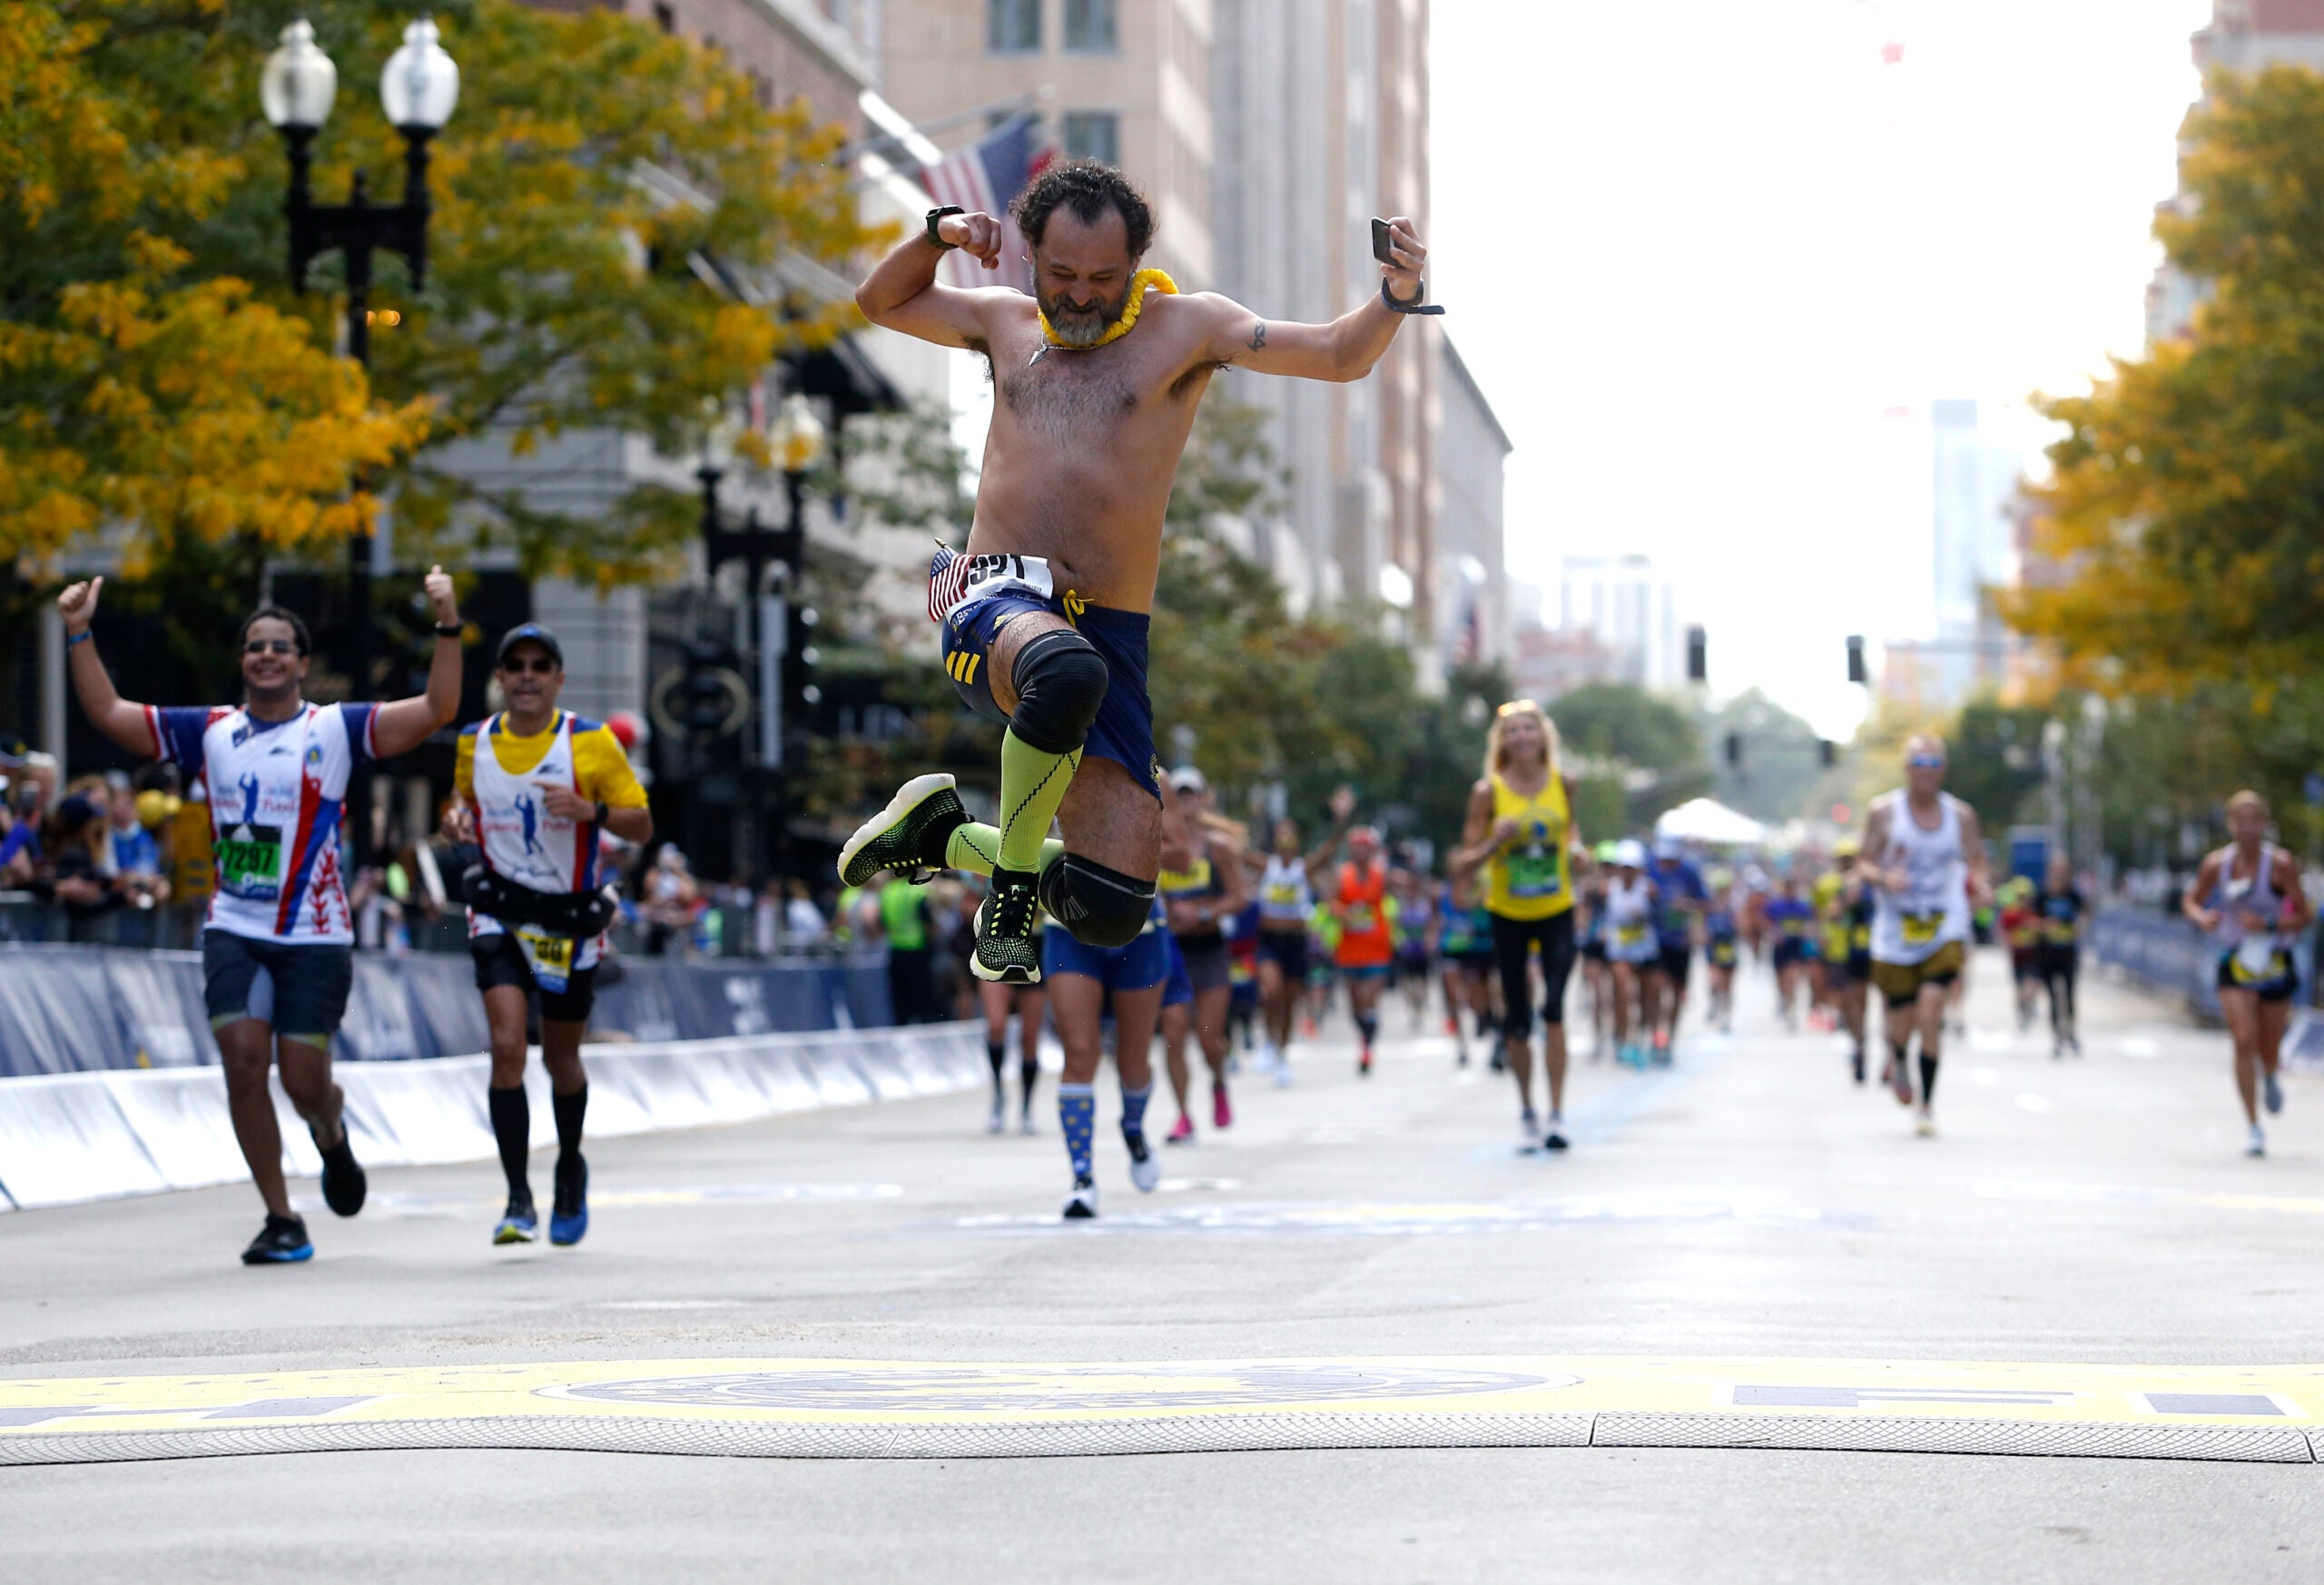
[(1707, 819)]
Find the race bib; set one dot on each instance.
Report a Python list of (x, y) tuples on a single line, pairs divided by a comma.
[(1282, 894), (1920, 929), (955, 580), (2255, 959), (550, 958), (1361, 919), (1630, 935), (1533, 873), (249, 862)]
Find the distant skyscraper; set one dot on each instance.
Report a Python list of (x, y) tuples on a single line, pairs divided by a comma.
[(1973, 543), (1631, 616)]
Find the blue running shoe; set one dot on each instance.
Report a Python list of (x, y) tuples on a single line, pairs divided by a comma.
[(281, 1241), (2272, 1093), (519, 1223), (568, 1217)]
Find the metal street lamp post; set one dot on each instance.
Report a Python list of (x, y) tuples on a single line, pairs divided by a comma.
[(417, 89)]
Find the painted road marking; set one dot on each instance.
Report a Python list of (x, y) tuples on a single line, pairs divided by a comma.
[(1401, 1219), (828, 1392), (2081, 1194), (401, 1206)]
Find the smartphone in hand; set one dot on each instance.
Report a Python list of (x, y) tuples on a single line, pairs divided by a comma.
[(1380, 242)]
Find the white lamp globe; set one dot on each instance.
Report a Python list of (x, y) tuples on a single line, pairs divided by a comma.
[(298, 83), (419, 84)]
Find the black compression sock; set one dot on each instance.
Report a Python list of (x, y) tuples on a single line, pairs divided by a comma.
[(1368, 1026), (1928, 1079), (512, 1130), (997, 1053), (569, 1110), (1028, 1073)]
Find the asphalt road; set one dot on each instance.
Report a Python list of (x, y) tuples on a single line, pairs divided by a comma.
[(1748, 1203)]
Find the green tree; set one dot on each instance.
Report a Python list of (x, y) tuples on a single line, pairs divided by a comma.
[(1994, 761), (1783, 768), (1633, 754)]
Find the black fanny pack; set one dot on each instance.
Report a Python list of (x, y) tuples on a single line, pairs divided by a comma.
[(564, 913)]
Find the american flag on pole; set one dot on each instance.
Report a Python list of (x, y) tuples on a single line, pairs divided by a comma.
[(986, 177)]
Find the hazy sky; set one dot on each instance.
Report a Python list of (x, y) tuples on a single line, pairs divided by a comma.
[(1700, 252)]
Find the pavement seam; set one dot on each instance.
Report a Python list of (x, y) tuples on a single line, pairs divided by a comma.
[(1183, 1434)]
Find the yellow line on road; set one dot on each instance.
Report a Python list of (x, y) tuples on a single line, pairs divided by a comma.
[(843, 1392)]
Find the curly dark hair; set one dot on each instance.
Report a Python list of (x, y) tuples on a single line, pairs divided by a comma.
[(1089, 189), (277, 614)]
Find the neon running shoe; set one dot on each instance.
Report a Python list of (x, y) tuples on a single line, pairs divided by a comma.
[(519, 1223), (1184, 1134), (344, 1184), (1145, 1169), (1222, 1115), (1006, 952), (568, 1215), (908, 836), (281, 1241)]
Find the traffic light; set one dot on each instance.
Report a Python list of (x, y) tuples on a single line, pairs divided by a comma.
[(1828, 753), (1697, 655), (1735, 750), (1856, 673)]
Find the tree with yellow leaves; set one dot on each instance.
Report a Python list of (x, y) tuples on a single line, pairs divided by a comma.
[(2186, 508), (160, 384)]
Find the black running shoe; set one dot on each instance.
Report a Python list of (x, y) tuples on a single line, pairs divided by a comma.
[(281, 1241), (568, 1216), (1856, 1064), (908, 836), (1006, 953), (344, 1184)]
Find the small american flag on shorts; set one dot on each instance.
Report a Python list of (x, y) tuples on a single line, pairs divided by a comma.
[(948, 583)]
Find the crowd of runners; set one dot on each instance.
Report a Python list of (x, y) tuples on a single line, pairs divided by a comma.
[(1118, 904)]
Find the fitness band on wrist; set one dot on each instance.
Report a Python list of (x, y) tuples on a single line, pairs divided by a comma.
[(1418, 304), (81, 637), (934, 215), (450, 629)]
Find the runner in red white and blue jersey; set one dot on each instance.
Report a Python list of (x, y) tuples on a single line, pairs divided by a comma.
[(276, 943)]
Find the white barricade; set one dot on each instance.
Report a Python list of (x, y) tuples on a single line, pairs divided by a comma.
[(64, 1138), (73, 1137)]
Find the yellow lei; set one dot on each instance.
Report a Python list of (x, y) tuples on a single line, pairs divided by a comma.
[(1139, 285)]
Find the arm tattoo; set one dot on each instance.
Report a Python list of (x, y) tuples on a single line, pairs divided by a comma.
[(1258, 334)]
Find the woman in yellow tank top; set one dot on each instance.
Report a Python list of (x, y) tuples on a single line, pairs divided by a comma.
[(1520, 834)]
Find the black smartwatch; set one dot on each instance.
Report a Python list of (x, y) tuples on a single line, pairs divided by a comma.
[(603, 814), (450, 629), (1419, 304), (934, 215)]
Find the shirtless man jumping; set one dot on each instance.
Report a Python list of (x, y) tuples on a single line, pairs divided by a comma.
[(1097, 376)]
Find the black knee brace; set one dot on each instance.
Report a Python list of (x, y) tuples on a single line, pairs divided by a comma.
[(1060, 682), (1101, 907)]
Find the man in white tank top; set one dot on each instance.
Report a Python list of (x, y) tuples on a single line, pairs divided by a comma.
[(2247, 896), (1924, 861)]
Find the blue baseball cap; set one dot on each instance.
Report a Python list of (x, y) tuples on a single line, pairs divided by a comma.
[(533, 633)]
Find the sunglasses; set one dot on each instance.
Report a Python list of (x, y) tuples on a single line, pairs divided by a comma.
[(540, 664), (1926, 763), (270, 647)]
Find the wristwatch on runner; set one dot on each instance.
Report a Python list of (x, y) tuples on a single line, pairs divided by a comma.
[(935, 215)]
